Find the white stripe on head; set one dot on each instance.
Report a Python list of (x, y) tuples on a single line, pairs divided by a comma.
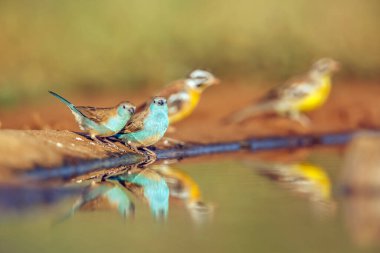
[(200, 74), (199, 77), (193, 83)]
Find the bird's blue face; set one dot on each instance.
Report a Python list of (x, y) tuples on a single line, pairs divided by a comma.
[(159, 104), (126, 109)]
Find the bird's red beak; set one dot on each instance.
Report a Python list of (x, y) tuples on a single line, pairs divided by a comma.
[(216, 81), (336, 66)]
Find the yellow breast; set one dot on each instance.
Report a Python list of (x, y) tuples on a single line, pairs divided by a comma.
[(317, 98), (317, 176), (187, 107)]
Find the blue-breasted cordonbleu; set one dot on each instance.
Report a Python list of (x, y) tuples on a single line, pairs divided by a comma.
[(148, 126), (100, 122)]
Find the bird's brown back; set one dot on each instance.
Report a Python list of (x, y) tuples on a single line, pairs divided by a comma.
[(97, 114), (136, 122)]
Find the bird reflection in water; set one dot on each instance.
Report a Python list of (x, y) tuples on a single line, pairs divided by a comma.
[(184, 188), (304, 179), (103, 196), (149, 185), (153, 185)]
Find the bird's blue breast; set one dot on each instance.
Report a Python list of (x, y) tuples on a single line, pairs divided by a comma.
[(155, 126), (116, 123)]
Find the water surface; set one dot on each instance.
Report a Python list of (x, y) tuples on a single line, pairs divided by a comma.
[(224, 206)]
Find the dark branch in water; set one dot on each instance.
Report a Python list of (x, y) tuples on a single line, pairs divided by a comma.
[(252, 145), (256, 144)]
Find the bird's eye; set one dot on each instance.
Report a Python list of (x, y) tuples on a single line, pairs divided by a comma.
[(124, 107)]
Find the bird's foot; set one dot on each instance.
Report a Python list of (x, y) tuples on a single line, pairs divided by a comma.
[(151, 157), (133, 148), (115, 146), (98, 141), (300, 118)]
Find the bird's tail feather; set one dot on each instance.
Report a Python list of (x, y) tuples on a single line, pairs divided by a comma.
[(250, 111), (68, 103)]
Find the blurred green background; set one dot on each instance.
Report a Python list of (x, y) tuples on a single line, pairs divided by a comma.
[(93, 45)]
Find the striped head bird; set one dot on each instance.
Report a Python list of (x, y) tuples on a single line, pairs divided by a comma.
[(148, 126), (100, 122), (183, 95), (302, 94)]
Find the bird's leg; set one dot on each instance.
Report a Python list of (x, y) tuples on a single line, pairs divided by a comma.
[(107, 143), (299, 117), (150, 153), (169, 142), (133, 147), (97, 141), (113, 145), (114, 139), (151, 158)]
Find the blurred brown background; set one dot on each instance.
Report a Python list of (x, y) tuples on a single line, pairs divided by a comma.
[(96, 45)]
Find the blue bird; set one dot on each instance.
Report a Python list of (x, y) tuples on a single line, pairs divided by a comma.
[(147, 127), (100, 122)]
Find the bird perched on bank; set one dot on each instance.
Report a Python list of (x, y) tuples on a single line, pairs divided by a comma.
[(296, 96), (100, 122), (183, 95), (146, 127)]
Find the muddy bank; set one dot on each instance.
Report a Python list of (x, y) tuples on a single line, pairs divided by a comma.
[(26, 149)]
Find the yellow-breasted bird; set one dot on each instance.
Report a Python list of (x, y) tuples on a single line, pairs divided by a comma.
[(183, 95), (298, 95)]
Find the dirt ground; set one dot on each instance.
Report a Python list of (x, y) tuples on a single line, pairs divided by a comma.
[(351, 106)]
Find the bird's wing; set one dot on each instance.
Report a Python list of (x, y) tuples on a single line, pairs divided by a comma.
[(173, 88), (296, 88), (136, 122), (176, 96), (176, 101), (95, 114)]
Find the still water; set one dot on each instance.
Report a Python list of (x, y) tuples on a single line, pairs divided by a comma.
[(225, 206)]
